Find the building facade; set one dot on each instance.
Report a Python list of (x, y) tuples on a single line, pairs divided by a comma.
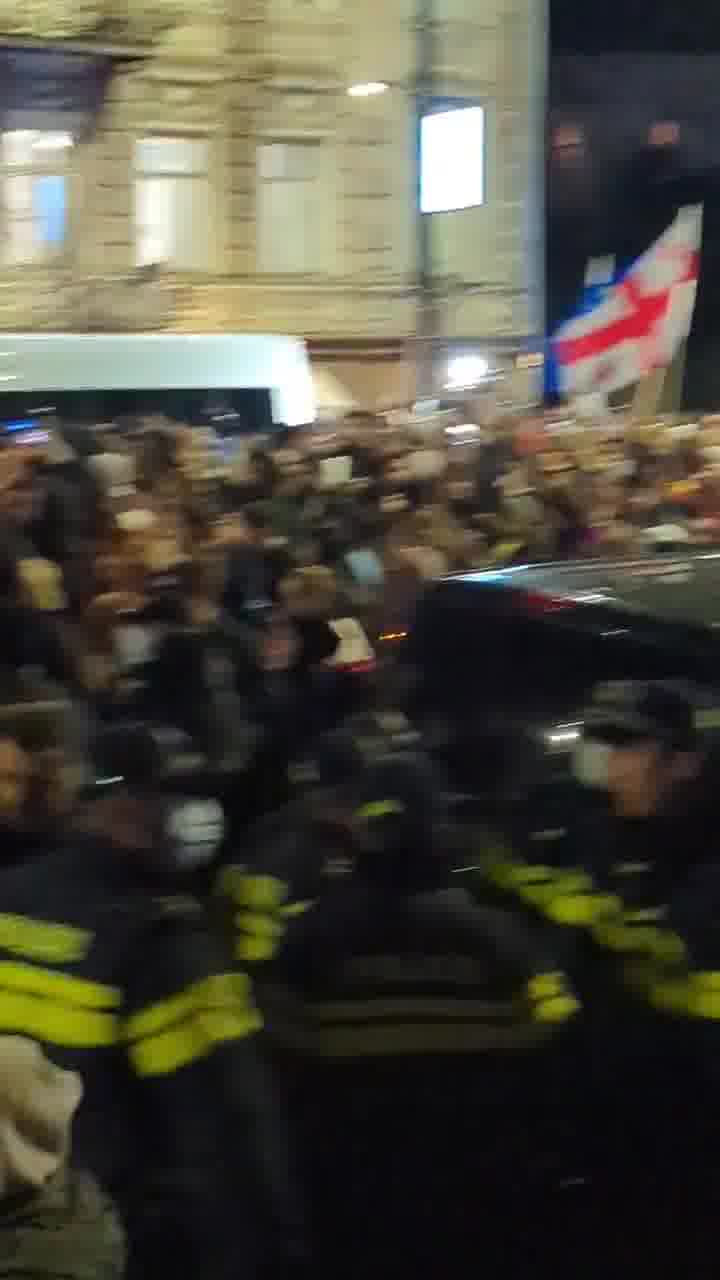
[(233, 155)]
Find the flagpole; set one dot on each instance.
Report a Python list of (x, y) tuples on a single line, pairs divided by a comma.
[(675, 380), (661, 391), (648, 395)]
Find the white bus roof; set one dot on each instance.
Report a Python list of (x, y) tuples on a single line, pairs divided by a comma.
[(31, 362)]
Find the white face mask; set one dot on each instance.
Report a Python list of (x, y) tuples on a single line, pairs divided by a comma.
[(591, 763), (134, 645), (195, 829)]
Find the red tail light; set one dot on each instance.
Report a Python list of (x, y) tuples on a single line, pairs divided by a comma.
[(360, 668), (538, 603)]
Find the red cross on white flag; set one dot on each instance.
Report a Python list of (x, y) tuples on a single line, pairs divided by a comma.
[(642, 321)]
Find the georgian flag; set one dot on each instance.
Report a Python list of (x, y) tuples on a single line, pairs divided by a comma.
[(642, 321)]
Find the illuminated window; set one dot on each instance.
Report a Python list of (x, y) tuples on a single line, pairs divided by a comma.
[(34, 194), (172, 203), (291, 204), (452, 159)]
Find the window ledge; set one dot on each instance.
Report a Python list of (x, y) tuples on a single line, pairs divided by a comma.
[(337, 284)]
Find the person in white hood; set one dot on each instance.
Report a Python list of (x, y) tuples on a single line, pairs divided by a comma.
[(54, 1222)]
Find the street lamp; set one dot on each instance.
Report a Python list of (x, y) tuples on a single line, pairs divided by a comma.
[(369, 90), (466, 371)]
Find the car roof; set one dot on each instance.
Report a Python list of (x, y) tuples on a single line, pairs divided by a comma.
[(671, 588)]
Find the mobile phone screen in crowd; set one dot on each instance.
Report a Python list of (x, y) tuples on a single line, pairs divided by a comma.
[(25, 432)]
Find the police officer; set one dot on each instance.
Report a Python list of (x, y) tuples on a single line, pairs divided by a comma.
[(291, 857), (39, 776), (408, 1011), (105, 963), (618, 877), (606, 864)]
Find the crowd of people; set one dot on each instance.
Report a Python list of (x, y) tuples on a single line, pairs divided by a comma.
[(99, 524), (229, 876)]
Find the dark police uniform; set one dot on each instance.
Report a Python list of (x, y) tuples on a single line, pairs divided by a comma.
[(415, 1025), (629, 906), (290, 858), (606, 883), (121, 980)]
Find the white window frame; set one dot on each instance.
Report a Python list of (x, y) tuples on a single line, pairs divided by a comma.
[(56, 163), (324, 183), (205, 175)]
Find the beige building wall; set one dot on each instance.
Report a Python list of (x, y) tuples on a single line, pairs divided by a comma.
[(275, 71)]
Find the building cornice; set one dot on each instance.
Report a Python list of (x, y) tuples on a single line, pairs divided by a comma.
[(120, 28)]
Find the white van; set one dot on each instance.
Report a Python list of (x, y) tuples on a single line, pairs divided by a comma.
[(247, 382)]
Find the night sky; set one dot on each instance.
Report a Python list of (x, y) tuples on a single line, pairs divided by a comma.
[(633, 134)]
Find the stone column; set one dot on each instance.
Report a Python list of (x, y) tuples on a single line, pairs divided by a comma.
[(103, 232), (246, 23), (522, 39)]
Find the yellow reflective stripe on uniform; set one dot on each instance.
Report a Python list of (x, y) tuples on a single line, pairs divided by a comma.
[(558, 1009), (56, 1007), (513, 875), (563, 885), (551, 999), (259, 922), (623, 936), (258, 935), (59, 986), (263, 926), (696, 995), (379, 809), (219, 991), (565, 896), (42, 940), (669, 947), (294, 909), (264, 892), (253, 950), (706, 979), (581, 908), (546, 985), (179, 1047), (670, 996), (704, 1005), (173, 1033), (261, 893), (614, 936), (533, 885)]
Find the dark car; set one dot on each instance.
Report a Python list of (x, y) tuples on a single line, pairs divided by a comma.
[(502, 662)]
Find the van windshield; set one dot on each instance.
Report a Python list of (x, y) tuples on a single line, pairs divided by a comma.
[(231, 411)]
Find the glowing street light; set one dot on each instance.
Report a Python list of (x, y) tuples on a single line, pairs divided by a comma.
[(371, 89), (466, 371)]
